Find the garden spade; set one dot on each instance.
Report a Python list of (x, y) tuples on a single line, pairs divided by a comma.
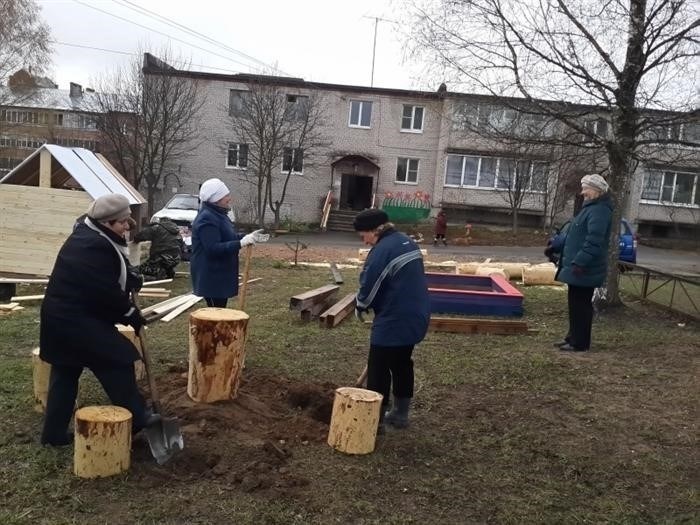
[(164, 436)]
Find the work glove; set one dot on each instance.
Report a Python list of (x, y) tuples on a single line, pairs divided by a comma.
[(359, 313), (134, 280), (136, 320), (577, 270), (254, 238)]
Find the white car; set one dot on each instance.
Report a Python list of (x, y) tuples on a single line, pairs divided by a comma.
[(182, 209)]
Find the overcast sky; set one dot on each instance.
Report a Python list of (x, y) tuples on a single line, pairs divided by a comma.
[(320, 40)]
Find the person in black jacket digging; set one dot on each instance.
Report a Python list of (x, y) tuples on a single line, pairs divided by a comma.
[(88, 293)]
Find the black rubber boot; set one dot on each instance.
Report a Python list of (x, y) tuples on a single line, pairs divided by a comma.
[(398, 416)]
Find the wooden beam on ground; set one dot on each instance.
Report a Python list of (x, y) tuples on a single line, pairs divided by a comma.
[(337, 278), (186, 306), (27, 298), (162, 281), (151, 308), (17, 280), (463, 325), (313, 311), (306, 300), (182, 299), (8, 306), (339, 311)]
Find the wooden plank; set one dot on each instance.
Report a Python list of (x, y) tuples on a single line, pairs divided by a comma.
[(45, 168), (186, 306), (304, 301), (12, 280), (176, 300), (339, 311), (465, 325), (162, 281), (337, 278), (27, 298), (8, 306), (168, 307)]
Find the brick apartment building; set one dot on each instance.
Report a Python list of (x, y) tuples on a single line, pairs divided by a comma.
[(390, 141), (33, 111)]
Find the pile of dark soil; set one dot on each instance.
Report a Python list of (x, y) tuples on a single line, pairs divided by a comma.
[(247, 441)]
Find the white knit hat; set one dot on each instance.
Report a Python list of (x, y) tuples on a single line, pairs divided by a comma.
[(596, 182), (213, 190)]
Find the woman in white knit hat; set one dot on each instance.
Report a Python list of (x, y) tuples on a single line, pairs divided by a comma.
[(584, 260), (215, 246)]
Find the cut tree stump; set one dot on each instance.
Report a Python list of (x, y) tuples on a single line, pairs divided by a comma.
[(217, 353), (41, 372), (102, 441), (354, 420), (130, 334), (304, 301), (540, 274), (339, 311)]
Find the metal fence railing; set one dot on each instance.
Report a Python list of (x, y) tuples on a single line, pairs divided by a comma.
[(678, 293)]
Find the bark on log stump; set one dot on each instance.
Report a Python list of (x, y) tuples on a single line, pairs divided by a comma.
[(41, 372), (102, 441), (354, 420), (217, 353), (130, 334)]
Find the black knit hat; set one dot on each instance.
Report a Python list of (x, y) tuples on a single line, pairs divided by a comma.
[(369, 220)]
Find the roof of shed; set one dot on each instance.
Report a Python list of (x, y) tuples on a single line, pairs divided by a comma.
[(75, 168)]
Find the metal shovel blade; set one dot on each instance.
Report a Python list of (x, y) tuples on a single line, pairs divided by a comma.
[(164, 439)]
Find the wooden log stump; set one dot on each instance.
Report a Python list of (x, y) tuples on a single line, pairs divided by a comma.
[(41, 372), (354, 420), (130, 334), (102, 441), (485, 270), (217, 353), (540, 274)]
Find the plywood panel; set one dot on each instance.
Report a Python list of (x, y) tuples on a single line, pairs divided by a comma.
[(34, 224)]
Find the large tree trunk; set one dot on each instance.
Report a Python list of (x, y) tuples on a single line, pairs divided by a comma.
[(217, 353)]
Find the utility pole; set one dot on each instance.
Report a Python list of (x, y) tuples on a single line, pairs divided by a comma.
[(374, 45)]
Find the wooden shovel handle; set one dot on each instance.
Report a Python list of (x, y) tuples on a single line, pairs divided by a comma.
[(246, 272)]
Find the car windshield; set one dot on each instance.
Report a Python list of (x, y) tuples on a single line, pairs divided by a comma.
[(183, 202)]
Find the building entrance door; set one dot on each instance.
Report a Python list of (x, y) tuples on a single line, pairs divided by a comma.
[(355, 192)]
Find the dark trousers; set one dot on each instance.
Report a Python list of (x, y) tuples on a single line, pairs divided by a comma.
[(118, 382), (580, 316), (217, 302), (389, 366)]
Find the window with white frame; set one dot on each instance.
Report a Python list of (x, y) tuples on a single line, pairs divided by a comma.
[(237, 156), (495, 173), (360, 113), (407, 170), (293, 160), (412, 118), (671, 187)]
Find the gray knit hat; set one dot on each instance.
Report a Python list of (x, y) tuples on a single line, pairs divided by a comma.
[(596, 182), (112, 207)]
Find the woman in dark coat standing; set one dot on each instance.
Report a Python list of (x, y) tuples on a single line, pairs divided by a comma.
[(584, 260), (88, 293), (215, 246), (393, 284)]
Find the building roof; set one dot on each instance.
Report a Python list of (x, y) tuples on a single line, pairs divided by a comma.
[(93, 173), (49, 98)]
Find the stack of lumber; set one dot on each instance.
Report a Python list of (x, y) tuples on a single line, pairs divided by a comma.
[(172, 307), (310, 304)]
